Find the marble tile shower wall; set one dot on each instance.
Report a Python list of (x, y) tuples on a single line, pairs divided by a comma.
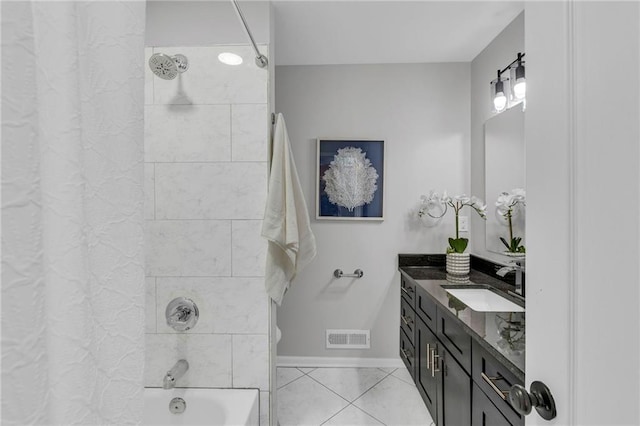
[(206, 136)]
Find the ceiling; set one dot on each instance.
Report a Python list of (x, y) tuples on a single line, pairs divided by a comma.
[(374, 32)]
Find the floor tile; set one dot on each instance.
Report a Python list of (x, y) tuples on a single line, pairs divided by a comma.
[(287, 375), (395, 402), (304, 402), (349, 383), (388, 369), (307, 370), (351, 416), (403, 374)]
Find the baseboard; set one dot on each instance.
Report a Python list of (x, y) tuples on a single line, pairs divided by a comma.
[(325, 361)]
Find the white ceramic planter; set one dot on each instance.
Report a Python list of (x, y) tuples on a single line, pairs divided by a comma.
[(458, 265)]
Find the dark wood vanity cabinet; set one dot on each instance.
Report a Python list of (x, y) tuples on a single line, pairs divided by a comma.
[(493, 380), (460, 382), (445, 386), (484, 413), (455, 397)]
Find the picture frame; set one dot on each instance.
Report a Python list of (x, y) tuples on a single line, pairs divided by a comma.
[(350, 179)]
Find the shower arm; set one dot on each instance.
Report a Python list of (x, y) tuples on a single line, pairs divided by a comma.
[(261, 60)]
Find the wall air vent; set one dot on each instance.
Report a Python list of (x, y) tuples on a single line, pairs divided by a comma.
[(348, 339)]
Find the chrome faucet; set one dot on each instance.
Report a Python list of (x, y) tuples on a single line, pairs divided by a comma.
[(516, 266), (175, 373)]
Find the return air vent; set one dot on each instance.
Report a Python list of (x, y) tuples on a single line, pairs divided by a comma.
[(348, 339)]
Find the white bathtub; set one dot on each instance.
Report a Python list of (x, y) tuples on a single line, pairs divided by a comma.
[(215, 407)]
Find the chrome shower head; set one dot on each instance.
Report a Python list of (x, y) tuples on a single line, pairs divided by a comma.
[(167, 67)]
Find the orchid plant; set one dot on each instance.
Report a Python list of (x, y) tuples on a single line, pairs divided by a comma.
[(506, 206), (434, 201)]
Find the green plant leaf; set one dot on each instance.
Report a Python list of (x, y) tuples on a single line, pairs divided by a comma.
[(458, 245), (505, 243)]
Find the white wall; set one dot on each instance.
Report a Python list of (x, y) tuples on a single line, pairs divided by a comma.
[(499, 53), (422, 112)]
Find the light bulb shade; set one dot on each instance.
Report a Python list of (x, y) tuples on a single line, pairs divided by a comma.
[(500, 102), (520, 89), (520, 82), (499, 91)]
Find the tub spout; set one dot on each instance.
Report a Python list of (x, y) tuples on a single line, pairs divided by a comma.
[(175, 373)]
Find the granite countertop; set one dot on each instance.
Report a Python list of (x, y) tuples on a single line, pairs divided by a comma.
[(501, 333)]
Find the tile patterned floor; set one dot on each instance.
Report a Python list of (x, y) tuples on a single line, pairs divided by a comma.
[(349, 397)]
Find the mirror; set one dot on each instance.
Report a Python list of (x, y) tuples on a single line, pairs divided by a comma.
[(504, 172)]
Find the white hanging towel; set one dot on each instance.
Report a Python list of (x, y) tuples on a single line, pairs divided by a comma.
[(286, 226)]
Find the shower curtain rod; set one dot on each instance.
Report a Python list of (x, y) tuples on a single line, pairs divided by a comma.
[(261, 60)]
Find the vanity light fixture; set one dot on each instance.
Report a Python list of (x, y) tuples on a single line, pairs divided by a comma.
[(515, 85)]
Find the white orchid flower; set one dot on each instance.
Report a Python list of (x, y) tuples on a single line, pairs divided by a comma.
[(462, 199), (503, 200), (519, 191), (445, 198)]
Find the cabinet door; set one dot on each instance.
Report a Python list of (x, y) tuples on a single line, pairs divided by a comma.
[(484, 413), (426, 379), (455, 406)]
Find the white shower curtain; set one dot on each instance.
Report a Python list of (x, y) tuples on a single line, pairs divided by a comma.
[(72, 212)]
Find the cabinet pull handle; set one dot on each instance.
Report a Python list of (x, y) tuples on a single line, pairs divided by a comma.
[(408, 322), (428, 356), (407, 291), (502, 394), (434, 370), (406, 354)]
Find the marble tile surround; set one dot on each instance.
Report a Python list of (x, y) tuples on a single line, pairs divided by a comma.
[(249, 132), (206, 144), (211, 190), (188, 248), (187, 133), (249, 248), (209, 357), (227, 305)]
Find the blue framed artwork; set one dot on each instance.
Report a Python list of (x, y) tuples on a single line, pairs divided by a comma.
[(350, 179)]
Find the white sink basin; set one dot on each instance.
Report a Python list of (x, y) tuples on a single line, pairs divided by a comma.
[(483, 300)]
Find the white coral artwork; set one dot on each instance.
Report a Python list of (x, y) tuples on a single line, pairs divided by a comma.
[(351, 179)]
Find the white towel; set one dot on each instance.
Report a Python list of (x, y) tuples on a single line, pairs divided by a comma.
[(286, 225)]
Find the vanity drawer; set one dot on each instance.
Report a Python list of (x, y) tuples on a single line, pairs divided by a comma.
[(407, 320), (408, 291), (483, 412), (495, 380), (455, 338), (408, 353), (426, 308)]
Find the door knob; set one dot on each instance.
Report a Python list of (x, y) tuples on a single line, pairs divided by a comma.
[(540, 397)]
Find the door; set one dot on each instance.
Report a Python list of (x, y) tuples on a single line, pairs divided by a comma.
[(456, 391), (582, 146)]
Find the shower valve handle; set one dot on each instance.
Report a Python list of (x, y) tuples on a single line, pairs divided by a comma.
[(182, 314)]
